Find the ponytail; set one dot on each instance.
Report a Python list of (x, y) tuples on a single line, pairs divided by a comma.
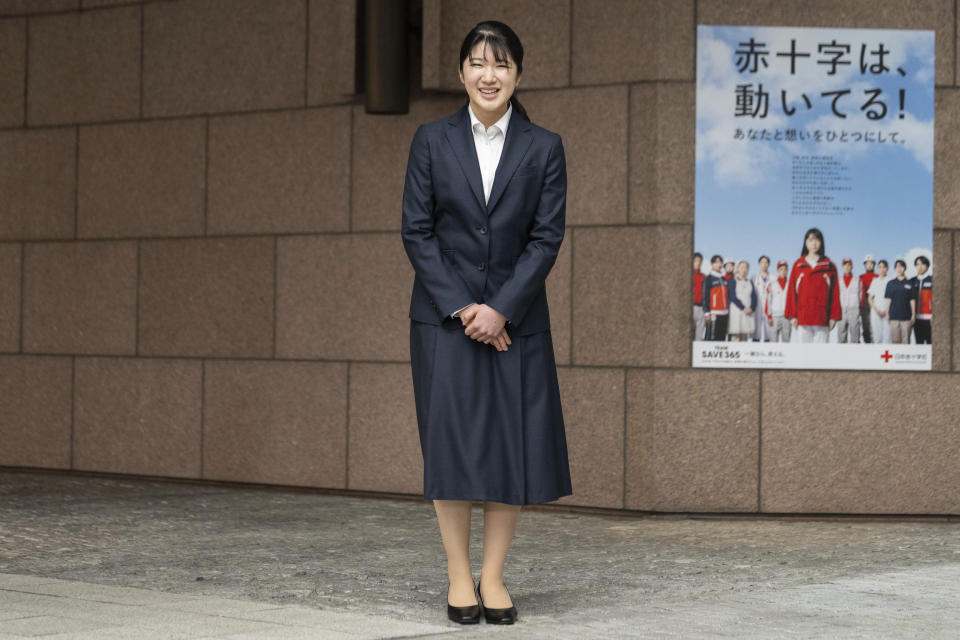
[(519, 107)]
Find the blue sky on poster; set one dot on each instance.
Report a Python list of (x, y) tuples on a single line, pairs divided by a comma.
[(743, 187)]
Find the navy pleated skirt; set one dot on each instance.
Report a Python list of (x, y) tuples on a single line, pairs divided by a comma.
[(490, 422)]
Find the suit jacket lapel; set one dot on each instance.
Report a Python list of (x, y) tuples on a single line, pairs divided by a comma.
[(514, 149), (460, 137)]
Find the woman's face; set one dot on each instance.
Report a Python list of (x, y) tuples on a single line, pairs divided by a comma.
[(742, 270), (813, 244), (882, 269), (489, 83)]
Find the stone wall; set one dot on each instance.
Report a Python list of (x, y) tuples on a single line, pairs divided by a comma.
[(201, 273)]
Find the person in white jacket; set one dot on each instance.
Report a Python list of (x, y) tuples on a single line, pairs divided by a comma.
[(761, 282), (848, 329), (877, 296), (776, 303)]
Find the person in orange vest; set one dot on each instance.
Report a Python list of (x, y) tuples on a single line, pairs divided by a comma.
[(923, 292), (716, 303)]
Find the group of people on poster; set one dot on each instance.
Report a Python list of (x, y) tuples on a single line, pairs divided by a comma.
[(811, 298)]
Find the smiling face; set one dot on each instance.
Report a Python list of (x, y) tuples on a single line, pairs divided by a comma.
[(743, 268), (489, 82), (921, 267), (882, 269)]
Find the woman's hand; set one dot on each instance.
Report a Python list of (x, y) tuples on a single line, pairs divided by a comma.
[(795, 323), (501, 341), (748, 311), (832, 324), (483, 323), (770, 321)]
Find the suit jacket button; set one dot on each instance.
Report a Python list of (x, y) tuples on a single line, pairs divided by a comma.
[(483, 230), (481, 266)]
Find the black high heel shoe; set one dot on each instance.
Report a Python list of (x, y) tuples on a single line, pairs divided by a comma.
[(464, 615), (497, 616)]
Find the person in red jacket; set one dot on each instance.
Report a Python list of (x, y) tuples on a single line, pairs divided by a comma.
[(813, 297), (700, 327)]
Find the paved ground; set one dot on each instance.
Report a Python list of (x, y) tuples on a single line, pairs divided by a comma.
[(103, 558)]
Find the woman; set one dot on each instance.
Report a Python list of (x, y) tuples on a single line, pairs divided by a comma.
[(743, 304), (879, 306), (761, 282), (813, 300), (484, 209)]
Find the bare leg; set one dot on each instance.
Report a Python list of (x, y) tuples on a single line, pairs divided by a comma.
[(454, 519), (499, 525)]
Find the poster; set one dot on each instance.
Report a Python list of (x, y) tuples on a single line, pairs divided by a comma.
[(814, 192)]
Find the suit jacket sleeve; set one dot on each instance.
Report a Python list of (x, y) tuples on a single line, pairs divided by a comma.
[(529, 275), (443, 284)]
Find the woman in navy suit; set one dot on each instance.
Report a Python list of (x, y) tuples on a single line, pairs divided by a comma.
[(483, 218)]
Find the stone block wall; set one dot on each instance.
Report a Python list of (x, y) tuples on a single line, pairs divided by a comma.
[(201, 272)]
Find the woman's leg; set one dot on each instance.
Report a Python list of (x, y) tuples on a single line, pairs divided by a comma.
[(454, 519), (499, 525)]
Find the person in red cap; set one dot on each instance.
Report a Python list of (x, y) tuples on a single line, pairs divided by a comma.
[(813, 295), (866, 279), (848, 329), (776, 303)]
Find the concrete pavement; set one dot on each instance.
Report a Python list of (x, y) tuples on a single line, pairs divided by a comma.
[(85, 557)]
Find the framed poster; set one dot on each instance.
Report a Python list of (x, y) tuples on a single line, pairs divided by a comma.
[(814, 198)]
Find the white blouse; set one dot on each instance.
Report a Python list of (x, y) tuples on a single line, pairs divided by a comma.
[(488, 142)]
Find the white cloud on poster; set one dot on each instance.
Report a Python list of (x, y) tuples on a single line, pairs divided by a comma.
[(910, 257)]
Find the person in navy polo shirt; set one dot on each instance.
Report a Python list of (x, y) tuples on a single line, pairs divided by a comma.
[(899, 297)]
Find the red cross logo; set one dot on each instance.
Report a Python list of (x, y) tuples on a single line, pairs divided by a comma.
[(886, 356)]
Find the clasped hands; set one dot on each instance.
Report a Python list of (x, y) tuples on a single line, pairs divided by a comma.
[(485, 324)]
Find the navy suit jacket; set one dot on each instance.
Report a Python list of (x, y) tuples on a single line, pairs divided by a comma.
[(464, 250)]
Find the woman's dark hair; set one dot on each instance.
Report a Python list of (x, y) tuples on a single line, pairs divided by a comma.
[(813, 231), (698, 255), (504, 42), (884, 263), (898, 261), (767, 258), (924, 259)]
